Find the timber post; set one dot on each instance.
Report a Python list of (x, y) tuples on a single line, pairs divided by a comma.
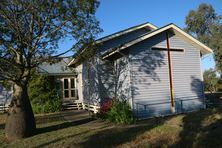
[(170, 74)]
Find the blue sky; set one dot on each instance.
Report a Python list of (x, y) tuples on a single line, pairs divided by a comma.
[(115, 15)]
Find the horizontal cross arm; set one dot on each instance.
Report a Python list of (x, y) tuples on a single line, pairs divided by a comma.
[(165, 49)]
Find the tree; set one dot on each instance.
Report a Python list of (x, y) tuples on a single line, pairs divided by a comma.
[(43, 95), (210, 80), (29, 35), (206, 26)]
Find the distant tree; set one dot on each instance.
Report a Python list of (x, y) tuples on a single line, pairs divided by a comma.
[(206, 26), (210, 80), (29, 35)]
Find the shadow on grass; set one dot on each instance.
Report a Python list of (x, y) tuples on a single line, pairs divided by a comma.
[(212, 135), (196, 134), (113, 137), (47, 118), (60, 139), (63, 125)]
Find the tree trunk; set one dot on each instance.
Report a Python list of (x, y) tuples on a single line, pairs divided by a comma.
[(20, 121)]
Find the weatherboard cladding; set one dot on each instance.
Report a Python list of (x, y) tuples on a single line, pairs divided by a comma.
[(150, 77), (79, 82), (90, 91), (101, 84), (97, 81), (104, 79), (123, 78), (187, 77)]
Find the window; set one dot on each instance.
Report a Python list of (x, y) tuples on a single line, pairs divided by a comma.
[(69, 88), (73, 93), (72, 83), (66, 84), (66, 93)]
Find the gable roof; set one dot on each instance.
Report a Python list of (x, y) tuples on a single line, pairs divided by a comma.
[(204, 49), (114, 35)]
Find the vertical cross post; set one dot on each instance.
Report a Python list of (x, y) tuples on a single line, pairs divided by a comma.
[(170, 74)]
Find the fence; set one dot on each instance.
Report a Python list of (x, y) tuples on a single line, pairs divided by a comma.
[(163, 107)]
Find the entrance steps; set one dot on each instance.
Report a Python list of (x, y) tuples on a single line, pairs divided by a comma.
[(72, 105), (78, 105)]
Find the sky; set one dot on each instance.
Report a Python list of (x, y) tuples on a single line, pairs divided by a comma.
[(116, 15)]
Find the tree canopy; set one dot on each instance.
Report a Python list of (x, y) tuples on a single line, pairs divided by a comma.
[(206, 25), (31, 30), (210, 80)]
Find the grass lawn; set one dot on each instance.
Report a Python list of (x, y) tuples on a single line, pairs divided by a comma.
[(76, 129)]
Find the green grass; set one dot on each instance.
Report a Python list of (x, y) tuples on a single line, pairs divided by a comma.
[(197, 129)]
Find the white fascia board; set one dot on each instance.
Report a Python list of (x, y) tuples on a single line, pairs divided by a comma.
[(70, 63), (73, 60)]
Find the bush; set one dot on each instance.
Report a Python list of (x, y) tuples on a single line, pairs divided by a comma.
[(105, 107), (43, 95), (120, 112)]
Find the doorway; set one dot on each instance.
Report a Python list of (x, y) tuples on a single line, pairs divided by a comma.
[(69, 88)]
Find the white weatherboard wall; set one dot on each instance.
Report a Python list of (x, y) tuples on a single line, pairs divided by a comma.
[(104, 79), (150, 76), (101, 83), (79, 82), (123, 78), (97, 81), (187, 76)]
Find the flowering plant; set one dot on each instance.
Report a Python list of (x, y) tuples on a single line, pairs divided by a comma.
[(106, 105)]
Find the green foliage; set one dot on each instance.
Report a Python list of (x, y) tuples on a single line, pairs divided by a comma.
[(121, 112), (6, 84), (200, 22), (32, 30), (210, 80), (43, 95), (216, 44), (206, 25)]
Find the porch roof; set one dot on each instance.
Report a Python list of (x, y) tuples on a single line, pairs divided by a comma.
[(57, 69)]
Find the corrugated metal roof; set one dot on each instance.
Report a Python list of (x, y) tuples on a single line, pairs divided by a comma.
[(59, 68)]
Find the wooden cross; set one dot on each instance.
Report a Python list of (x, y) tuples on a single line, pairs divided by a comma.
[(168, 49)]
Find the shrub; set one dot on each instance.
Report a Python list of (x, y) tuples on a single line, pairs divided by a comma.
[(104, 108), (120, 112), (43, 95)]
